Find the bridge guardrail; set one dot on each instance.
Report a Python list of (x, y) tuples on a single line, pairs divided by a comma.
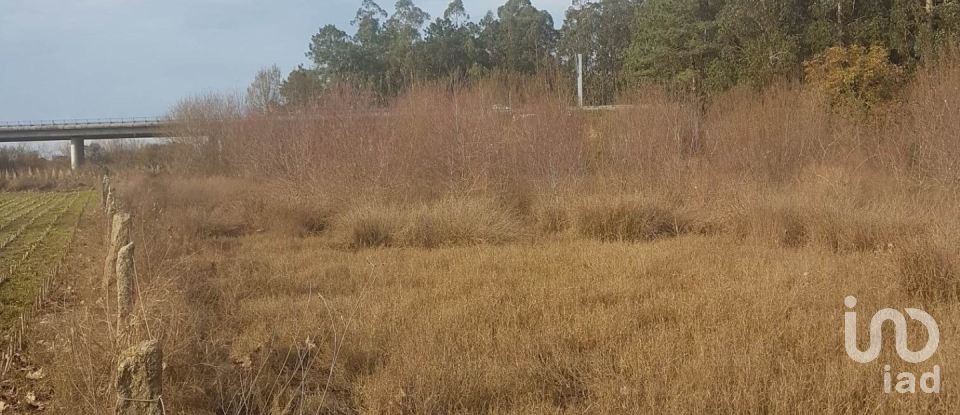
[(131, 121)]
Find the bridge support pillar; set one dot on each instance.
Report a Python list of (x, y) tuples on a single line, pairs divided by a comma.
[(76, 153)]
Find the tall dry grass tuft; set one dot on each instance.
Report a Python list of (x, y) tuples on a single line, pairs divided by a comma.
[(461, 221), (628, 220), (450, 221), (838, 228), (552, 218), (842, 231), (929, 271), (370, 226)]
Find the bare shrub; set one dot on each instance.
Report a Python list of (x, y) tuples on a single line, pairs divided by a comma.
[(770, 135), (201, 131), (928, 143)]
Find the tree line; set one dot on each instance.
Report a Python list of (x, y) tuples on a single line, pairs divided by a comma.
[(695, 46)]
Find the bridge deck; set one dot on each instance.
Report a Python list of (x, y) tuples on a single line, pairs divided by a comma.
[(105, 129)]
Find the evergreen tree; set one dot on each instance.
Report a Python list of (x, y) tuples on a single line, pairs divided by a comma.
[(451, 46), (302, 86), (602, 32), (676, 41), (697, 46), (522, 38), (402, 35)]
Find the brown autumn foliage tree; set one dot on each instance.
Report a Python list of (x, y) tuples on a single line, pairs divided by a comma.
[(854, 80)]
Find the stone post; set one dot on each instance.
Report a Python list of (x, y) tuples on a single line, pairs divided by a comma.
[(104, 186), (119, 237), (125, 284), (140, 380), (110, 209), (111, 202)]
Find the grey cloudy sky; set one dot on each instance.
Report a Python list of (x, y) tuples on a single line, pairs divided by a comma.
[(62, 59)]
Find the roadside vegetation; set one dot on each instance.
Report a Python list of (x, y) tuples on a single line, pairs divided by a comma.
[(385, 233)]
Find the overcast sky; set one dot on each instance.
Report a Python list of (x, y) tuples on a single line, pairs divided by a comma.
[(64, 59)]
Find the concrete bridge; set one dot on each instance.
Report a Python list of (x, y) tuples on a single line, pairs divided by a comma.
[(77, 131)]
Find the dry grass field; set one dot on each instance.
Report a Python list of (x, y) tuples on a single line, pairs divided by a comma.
[(450, 258), (726, 300)]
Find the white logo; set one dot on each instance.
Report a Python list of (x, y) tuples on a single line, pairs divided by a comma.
[(906, 381), (900, 329)]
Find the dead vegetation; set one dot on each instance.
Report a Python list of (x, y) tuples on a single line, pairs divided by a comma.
[(444, 257)]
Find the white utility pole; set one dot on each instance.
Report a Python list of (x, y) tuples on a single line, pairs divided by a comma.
[(579, 79)]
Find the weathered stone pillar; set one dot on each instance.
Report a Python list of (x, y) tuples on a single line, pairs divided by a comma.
[(125, 284), (119, 237), (104, 187), (110, 209), (111, 202), (140, 380)]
